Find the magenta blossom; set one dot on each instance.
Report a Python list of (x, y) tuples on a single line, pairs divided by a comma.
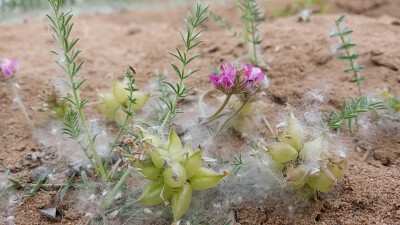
[(9, 67), (239, 78), (227, 77)]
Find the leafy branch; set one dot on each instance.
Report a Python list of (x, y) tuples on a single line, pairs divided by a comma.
[(350, 56), (128, 111), (350, 112), (190, 40), (62, 27), (222, 23), (250, 18), (237, 164)]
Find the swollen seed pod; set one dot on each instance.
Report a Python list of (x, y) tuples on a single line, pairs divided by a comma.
[(109, 113), (59, 111), (294, 133), (151, 194), (159, 158), (175, 175), (141, 100), (153, 138), (315, 150), (337, 168), (120, 116), (151, 172), (321, 181), (205, 178), (181, 201), (193, 164), (174, 146), (109, 101), (296, 177), (119, 92), (282, 152), (242, 124)]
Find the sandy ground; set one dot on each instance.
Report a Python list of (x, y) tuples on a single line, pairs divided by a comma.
[(300, 58)]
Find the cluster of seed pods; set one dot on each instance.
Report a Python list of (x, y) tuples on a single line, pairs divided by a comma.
[(111, 102), (306, 162), (172, 171)]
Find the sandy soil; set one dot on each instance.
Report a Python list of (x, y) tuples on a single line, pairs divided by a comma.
[(300, 58)]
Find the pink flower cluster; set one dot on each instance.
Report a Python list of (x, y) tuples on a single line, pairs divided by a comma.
[(9, 67), (252, 76)]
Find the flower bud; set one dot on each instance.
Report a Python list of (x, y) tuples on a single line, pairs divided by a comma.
[(175, 175), (152, 192), (193, 164), (296, 177), (181, 201), (321, 181), (294, 133), (282, 152), (205, 178)]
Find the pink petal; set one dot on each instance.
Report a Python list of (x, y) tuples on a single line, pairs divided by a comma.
[(225, 81), (6, 71), (14, 64), (214, 80)]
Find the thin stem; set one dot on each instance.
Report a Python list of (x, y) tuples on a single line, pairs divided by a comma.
[(350, 60), (20, 104), (105, 204), (230, 117), (70, 70), (221, 107), (170, 111)]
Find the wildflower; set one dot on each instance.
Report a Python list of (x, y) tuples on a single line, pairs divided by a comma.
[(238, 78), (9, 67)]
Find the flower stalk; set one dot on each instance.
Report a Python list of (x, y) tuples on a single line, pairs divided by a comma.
[(220, 108), (20, 104)]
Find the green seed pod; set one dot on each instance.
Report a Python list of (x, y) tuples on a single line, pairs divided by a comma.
[(110, 102), (296, 177), (174, 146), (321, 181), (242, 124), (175, 175), (151, 194), (205, 178), (120, 116), (187, 149), (282, 152), (59, 111), (141, 100), (119, 92), (294, 133), (338, 167), (193, 164), (151, 172), (109, 113), (153, 138), (181, 201), (315, 150), (159, 157)]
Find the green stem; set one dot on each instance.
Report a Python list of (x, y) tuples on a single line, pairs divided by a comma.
[(121, 128), (230, 117), (107, 201), (350, 60), (99, 167), (20, 104), (221, 107)]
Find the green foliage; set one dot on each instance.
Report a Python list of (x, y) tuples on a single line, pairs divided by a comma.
[(350, 112), (159, 109), (237, 164), (299, 5), (350, 55), (190, 40), (222, 23), (62, 27), (250, 17)]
